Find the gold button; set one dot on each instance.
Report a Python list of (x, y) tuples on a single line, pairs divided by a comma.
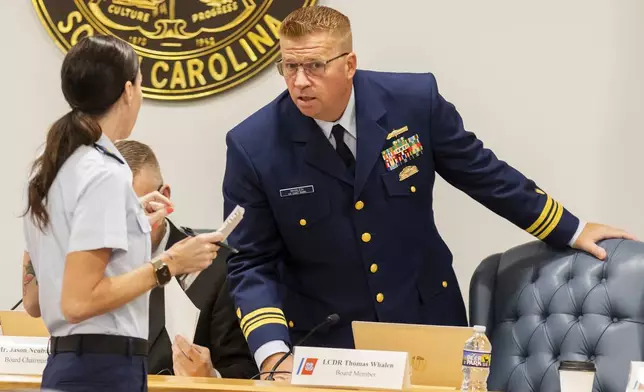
[(302, 222), (366, 237), (413, 189), (359, 205), (238, 312), (374, 268), (290, 324), (444, 283), (380, 297)]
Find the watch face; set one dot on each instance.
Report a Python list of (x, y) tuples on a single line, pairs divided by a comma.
[(163, 274)]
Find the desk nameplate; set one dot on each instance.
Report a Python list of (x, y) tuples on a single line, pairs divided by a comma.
[(344, 368), (23, 354)]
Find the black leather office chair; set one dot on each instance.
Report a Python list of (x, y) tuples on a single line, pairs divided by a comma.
[(542, 305)]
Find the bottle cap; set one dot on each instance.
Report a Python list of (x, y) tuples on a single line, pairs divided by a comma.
[(479, 328)]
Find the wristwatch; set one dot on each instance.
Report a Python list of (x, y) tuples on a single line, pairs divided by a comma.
[(161, 272)]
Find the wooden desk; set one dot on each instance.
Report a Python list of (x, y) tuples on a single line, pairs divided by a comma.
[(187, 384)]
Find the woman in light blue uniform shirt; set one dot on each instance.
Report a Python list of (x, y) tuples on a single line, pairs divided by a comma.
[(88, 268)]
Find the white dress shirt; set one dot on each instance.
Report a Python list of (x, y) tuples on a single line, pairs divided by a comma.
[(164, 241), (348, 121)]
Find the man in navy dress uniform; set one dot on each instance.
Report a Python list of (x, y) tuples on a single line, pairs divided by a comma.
[(336, 176)]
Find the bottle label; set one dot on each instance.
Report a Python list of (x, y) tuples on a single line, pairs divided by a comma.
[(477, 359)]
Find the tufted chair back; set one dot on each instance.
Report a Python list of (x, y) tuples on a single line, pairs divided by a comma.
[(541, 306)]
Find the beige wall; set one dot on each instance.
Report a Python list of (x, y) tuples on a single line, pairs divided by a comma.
[(554, 87)]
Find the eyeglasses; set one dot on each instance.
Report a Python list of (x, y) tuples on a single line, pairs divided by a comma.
[(312, 68)]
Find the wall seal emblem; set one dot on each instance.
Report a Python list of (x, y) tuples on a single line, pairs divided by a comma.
[(188, 48)]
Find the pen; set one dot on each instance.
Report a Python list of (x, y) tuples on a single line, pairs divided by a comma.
[(225, 246), (191, 233)]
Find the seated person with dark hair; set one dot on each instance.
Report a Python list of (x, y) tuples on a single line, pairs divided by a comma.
[(220, 349)]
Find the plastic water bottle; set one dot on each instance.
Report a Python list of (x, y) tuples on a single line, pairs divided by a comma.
[(477, 356)]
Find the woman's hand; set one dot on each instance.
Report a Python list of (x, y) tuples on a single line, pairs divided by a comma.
[(157, 207), (193, 254)]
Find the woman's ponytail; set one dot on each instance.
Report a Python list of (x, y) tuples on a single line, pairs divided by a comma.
[(67, 134)]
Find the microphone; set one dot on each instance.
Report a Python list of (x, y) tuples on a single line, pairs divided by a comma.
[(329, 321)]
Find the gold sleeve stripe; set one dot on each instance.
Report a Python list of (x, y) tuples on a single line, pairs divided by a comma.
[(554, 222), (265, 321), (548, 221), (259, 312), (542, 217), (257, 319)]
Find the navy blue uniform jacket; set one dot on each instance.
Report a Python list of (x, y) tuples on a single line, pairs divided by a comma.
[(365, 247)]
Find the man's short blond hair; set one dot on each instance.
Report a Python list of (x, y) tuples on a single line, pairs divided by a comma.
[(308, 20), (137, 155)]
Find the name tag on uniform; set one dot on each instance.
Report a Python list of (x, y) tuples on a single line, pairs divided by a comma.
[(297, 191)]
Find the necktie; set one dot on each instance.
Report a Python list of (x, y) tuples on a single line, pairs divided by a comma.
[(341, 147)]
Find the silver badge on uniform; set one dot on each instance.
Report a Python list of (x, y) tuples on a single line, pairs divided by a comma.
[(297, 191)]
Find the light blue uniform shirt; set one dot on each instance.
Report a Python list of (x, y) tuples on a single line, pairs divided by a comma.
[(91, 205)]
